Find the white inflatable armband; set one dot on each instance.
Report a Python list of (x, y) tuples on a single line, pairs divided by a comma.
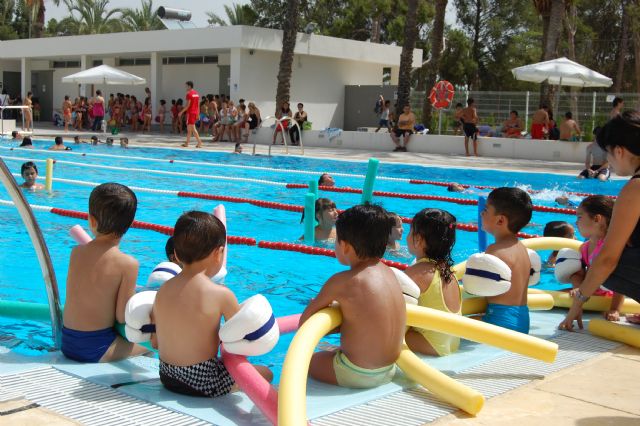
[(410, 289), (163, 272), (253, 330), (137, 316), (219, 277), (568, 262), (536, 267), (486, 275)]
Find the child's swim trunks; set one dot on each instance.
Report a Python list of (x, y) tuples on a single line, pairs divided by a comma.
[(86, 346), (350, 375), (512, 317), (209, 378)]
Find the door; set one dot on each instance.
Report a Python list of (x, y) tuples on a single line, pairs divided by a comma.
[(42, 88), (225, 76)]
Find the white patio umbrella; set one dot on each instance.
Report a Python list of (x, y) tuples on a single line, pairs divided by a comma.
[(104, 74), (561, 72)]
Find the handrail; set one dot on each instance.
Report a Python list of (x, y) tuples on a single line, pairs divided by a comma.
[(3, 107), (284, 138), (40, 246)]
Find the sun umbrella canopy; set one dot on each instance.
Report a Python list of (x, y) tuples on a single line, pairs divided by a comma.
[(104, 74), (563, 72)]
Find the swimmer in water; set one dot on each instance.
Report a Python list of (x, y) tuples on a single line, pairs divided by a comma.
[(29, 172)]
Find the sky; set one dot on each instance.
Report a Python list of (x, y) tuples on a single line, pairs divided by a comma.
[(198, 8)]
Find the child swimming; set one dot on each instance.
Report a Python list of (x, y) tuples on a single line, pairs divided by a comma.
[(561, 229), (326, 215), (396, 233), (431, 240), (371, 301), (617, 266), (188, 309), (29, 172)]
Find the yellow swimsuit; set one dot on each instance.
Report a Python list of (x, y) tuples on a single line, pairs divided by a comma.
[(444, 344)]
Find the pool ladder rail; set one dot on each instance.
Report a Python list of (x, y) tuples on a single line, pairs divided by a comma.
[(278, 124)]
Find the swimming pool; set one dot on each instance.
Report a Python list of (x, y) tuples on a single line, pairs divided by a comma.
[(287, 279)]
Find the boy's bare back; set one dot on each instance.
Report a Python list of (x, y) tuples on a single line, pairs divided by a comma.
[(187, 313), (100, 281), (373, 314), (515, 255)]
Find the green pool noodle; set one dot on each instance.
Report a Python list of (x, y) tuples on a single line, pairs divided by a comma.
[(313, 187), (370, 179), (309, 218)]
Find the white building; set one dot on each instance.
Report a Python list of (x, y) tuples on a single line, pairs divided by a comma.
[(239, 61)]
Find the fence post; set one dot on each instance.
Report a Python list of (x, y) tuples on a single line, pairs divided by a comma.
[(526, 113), (593, 113)]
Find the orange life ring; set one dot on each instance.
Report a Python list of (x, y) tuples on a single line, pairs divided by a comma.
[(442, 94)]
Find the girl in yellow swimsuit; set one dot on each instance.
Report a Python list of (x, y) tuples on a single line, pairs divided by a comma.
[(431, 239)]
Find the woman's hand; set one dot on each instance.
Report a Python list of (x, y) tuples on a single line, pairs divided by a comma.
[(575, 313)]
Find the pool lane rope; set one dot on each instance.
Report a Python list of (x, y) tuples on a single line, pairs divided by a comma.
[(281, 171)]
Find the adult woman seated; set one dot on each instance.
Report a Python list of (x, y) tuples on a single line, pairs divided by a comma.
[(512, 127), (617, 267)]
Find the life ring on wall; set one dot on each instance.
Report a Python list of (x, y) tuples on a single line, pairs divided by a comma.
[(441, 95)]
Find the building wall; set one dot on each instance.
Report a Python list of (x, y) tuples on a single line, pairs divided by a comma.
[(317, 82)]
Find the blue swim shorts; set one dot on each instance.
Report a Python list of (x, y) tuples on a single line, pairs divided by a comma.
[(512, 317), (86, 346)]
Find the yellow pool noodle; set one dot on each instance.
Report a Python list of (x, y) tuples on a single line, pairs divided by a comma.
[(292, 406), (535, 302), (441, 385), (562, 299), (481, 332), (48, 180), (628, 334)]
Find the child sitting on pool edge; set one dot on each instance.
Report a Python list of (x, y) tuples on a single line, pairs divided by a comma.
[(101, 280), (371, 301), (431, 239), (188, 309), (326, 215), (508, 210), (29, 172)]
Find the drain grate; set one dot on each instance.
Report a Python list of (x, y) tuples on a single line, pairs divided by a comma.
[(89, 403), (414, 407)]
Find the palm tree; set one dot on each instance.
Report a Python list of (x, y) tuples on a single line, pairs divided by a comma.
[(143, 19), (623, 49), (237, 14), (289, 34), (36, 11), (433, 65), (93, 16), (406, 57), (552, 13)]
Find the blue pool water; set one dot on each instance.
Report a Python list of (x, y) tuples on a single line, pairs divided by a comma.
[(287, 279)]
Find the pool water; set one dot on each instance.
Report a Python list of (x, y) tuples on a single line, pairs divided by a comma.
[(287, 279)]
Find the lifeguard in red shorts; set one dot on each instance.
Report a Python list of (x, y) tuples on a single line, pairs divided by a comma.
[(193, 111), (540, 123)]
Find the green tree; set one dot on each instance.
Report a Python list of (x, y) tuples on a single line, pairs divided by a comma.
[(433, 64), (237, 14), (289, 36), (93, 17), (143, 19), (406, 57), (7, 9), (456, 64)]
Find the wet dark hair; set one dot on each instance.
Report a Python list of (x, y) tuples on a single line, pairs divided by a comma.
[(557, 228), (113, 206), (26, 141), (196, 235), (28, 165), (438, 230), (514, 204), (321, 178), (622, 131), (617, 101), (14, 133), (598, 204), (366, 228), (58, 140), (321, 205), (168, 249)]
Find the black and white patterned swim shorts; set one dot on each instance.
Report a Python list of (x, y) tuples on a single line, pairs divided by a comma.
[(209, 378)]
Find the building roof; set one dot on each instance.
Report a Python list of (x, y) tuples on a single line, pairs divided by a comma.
[(210, 40)]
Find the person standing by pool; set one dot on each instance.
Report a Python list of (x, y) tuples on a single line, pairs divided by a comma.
[(617, 267), (98, 111), (569, 129), (406, 122), (28, 112), (370, 300), (193, 110), (540, 123), (469, 118), (66, 112)]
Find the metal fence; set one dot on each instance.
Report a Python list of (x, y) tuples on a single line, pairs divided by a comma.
[(589, 109)]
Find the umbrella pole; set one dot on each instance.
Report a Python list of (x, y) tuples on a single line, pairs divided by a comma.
[(558, 99)]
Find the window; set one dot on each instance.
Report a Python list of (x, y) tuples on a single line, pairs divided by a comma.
[(190, 60), (175, 60), (210, 59), (97, 62), (65, 64), (194, 59), (133, 61)]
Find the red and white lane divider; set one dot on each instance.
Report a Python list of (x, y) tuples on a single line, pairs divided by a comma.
[(463, 201)]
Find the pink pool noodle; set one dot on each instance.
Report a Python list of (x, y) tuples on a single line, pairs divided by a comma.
[(261, 392), (221, 214), (79, 235)]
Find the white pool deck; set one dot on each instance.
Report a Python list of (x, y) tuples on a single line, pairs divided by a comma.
[(594, 382)]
